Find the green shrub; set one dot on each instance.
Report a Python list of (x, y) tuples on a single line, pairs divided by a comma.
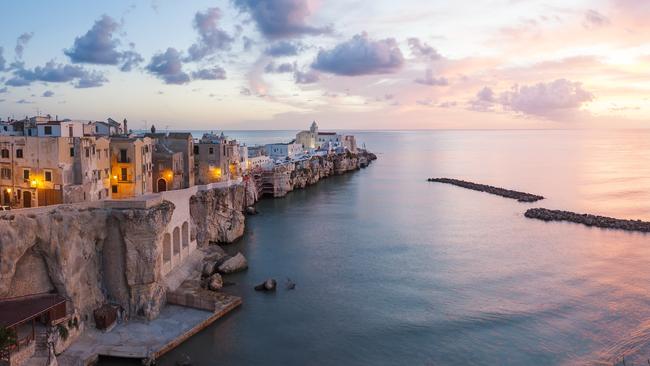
[(7, 337), (63, 331)]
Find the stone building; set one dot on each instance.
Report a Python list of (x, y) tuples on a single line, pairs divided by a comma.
[(217, 159), (179, 142), (131, 166), (168, 173), (41, 171)]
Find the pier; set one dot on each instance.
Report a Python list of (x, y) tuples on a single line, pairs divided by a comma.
[(588, 220), (507, 193)]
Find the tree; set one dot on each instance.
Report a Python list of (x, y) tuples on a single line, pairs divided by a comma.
[(7, 337)]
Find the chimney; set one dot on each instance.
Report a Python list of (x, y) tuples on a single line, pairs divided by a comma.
[(126, 130)]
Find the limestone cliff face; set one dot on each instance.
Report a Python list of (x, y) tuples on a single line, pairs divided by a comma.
[(216, 214), (310, 172), (90, 256)]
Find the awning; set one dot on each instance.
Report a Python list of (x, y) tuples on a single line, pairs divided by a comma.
[(17, 310)]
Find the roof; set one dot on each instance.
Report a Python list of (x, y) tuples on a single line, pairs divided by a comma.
[(327, 133), (18, 310), (180, 135)]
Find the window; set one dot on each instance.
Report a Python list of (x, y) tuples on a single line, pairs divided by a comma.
[(19, 153), (93, 150), (123, 158), (26, 174), (5, 153), (48, 175), (47, 130), (87, 152), (72, 151), (124, 174), (196, 150), (114, 189), (211, 151), (146, 149), (5, 173)]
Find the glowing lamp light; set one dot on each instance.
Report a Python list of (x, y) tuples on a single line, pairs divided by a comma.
[(170, 175), (115, 177), (8, 190), (34, 183)]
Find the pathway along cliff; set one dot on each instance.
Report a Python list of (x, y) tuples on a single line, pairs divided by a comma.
[(507, 193), (588, 220)]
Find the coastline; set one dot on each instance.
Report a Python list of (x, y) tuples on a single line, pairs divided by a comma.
[(113, 252)]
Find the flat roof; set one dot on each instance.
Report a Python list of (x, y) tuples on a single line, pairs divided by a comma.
[(18, 310)]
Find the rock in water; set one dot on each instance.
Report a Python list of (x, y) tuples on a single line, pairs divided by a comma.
[(290, 284), (250, 210), (215, 283), (237, 263), (268, 285), (208, 269)]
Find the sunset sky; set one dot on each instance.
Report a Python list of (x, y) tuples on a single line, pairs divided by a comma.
[(278, 64)]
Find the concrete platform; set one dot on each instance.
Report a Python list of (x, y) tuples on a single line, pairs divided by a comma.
[(145, 340)]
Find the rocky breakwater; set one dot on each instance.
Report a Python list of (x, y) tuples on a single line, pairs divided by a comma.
[(91, 256), (588, 220), (507, 193)]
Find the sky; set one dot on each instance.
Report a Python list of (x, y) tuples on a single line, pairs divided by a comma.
[(349, 64)]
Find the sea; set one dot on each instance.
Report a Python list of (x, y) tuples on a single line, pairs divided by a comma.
[(393, 270)]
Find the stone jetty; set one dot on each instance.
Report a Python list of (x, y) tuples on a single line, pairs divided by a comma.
[(588, 220), (519, 196)]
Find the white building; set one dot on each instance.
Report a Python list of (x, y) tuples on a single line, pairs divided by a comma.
[(284, 150), (313, 139), (60, 129)]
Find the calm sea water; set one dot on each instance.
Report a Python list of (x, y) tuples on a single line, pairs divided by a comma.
[(392, 270)]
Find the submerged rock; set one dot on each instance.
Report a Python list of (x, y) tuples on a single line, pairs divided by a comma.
[(269, 285), (251, 210), (290, 284), (237, 263)]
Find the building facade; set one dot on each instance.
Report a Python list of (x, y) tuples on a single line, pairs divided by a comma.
[(131, 166)]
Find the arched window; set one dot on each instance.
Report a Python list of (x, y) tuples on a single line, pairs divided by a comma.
[(167, 248), (185, 233), (177, 240)]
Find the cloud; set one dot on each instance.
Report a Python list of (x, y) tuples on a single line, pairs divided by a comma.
[(361, 56), (277, 19), (48, 94), (283, 48), (594, 19), (168, 67), (215, 73), (308, 77), (546, 99), (484, 100), (272, 68), (91, 80), (21, 42), (24, 101), (3, 90), (99, 47), (211, 37), (130, 60), (3, 62), (53, 72), (423, 50), (432, 81)]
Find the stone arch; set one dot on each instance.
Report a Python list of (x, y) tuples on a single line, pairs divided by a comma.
[(167, 248), (161, 185), (177, 240), (185, 233)]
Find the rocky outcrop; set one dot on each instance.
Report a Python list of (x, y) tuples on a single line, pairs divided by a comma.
[(285, 178), (519, 196), (234, 264), (88, 255), (588, 220), (269, 285), (216, 214)]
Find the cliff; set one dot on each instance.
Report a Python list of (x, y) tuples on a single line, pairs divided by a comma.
[(288, 177), (98, 255), (217, 214)]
